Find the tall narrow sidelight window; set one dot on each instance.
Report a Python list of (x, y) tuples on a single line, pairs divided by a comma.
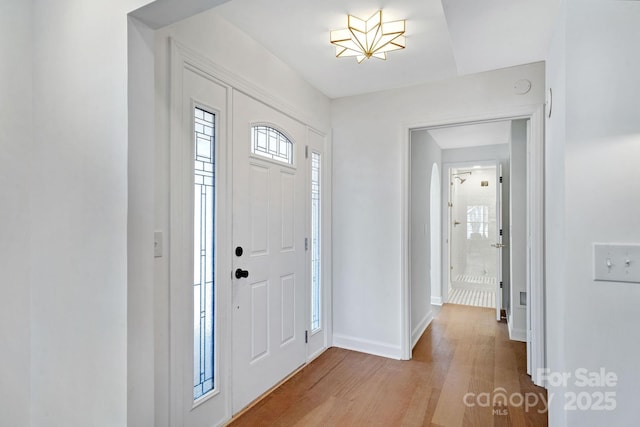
[(203, 261), (315, 243)]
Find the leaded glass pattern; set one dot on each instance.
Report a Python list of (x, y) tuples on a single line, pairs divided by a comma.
[(315, 242), (272, 144), (203, 239)]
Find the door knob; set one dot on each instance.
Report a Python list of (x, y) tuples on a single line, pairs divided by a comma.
[(499, 245), (456, 223), (240, 273)]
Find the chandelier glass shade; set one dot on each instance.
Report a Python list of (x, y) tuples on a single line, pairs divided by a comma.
[(370, 38)]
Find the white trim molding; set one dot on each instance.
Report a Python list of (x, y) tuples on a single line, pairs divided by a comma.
[(436, 300), (200, 63), (405, 242), (376, 348), (535, 286)]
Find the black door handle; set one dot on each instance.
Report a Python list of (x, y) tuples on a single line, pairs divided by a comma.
[(240, 273)]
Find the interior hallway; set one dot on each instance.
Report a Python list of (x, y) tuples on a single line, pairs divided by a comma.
[(464, 350)]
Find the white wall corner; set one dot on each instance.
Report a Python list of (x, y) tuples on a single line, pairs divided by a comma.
[(376, 348), (422, 326)]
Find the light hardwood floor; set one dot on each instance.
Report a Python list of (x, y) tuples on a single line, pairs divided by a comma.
[(464, 352)]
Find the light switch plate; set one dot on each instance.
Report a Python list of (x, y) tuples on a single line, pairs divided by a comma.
[(157, 244), (616, 262)]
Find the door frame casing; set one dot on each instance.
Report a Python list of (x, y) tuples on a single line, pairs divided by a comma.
[(182, 57), (535, 224), (180, 239), (324, 333)]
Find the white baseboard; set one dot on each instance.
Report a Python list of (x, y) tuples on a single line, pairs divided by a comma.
[(420, 328), (517, 334), (367, 346), (436, 300)]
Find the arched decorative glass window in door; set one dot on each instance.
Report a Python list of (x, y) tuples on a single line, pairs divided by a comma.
[(272, 144)]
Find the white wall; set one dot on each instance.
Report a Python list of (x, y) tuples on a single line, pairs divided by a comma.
[(141, 354), (597, 132), (368, 133), (78, 190), (63, 163), (15, 167), (424, 153), (517, 317), (216, 39)]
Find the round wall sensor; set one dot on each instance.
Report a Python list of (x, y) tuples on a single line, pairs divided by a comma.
[(522, 86)]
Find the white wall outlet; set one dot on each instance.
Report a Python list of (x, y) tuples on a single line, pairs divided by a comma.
[(616, 262), (157, 244)]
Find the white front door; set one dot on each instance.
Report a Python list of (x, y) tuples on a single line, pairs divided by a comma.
[(269, 268)]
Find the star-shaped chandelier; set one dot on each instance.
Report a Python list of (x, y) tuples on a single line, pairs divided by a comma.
[(370, 38)]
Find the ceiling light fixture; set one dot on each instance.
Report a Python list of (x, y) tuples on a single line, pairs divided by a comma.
[(370, 38)]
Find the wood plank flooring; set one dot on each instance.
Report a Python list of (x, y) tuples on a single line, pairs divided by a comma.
[(464, 354)]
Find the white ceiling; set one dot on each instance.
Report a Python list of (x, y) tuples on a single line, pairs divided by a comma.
[(491, 34), (463, 37), (474, 135)]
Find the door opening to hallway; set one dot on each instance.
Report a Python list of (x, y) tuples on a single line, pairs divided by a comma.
[(475, 246), (489, 193)]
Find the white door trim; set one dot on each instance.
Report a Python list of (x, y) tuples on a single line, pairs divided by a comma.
[(536, 228), (180, 243), (535, 218), (323, 334)]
